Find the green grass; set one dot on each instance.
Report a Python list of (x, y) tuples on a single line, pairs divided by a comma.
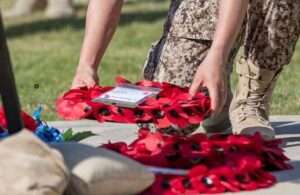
[(45, 54)]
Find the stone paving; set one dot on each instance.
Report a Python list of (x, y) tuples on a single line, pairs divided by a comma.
[(287, 128)]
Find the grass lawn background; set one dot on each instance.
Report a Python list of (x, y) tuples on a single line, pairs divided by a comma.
[(45, 54)]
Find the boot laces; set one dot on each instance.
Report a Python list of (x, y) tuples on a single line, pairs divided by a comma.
[(254, 106)]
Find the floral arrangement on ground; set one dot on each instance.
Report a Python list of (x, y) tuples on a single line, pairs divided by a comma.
[(202, 164)]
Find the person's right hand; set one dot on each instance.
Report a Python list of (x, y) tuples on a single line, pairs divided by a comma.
[(85, 77), (211, 74)]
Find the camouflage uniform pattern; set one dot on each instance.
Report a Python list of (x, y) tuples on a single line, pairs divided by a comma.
[(55, 8), (269, 35), (271, 32)]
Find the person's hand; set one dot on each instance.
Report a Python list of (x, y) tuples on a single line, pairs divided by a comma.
[(211, 74), (85, 77)]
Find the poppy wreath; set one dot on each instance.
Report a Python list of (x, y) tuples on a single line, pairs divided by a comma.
[(215, 164), (173, 107)]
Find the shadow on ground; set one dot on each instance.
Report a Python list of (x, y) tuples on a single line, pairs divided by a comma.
[(289, 131), (287, 127), (46, 25), (290, 175)]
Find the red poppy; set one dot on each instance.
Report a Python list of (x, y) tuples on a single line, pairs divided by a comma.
[(104, 113), (121, 80), (74, 105), (161, 186), (248, 163), (180, 184), (174, 115), (173, 107), (120, 147), (97, 90), (264, 179), (217, 164), (227, 178), (141, 116)]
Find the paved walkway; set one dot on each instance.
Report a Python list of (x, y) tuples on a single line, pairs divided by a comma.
[(287, 128)]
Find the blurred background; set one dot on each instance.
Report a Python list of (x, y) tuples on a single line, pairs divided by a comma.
[(45, 48)]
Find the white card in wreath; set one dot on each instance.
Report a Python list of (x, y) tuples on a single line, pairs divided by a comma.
[(127, 95)]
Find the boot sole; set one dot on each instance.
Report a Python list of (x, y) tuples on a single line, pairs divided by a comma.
[(265, 132)]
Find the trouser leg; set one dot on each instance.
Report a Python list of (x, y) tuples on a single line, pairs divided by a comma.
[(272, 31), (177, 56), (59, 8), (24, 7)]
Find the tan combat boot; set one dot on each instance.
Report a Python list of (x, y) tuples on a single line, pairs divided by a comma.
[(24, 7), (249, 110), (59, 9)]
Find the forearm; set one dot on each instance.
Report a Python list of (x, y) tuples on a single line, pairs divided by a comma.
[(230, 20), (101, 22)]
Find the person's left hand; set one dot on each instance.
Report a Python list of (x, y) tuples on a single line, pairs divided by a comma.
[(85, 76), (211, 74)]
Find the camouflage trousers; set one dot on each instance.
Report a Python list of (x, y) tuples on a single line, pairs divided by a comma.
[(269, 35)]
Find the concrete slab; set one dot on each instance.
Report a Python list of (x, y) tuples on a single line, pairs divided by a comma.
[(287, 128)]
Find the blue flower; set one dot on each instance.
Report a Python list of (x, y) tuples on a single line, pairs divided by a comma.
[(48, 134), (43, 131)]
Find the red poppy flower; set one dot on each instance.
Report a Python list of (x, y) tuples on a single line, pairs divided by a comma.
[(173, 107), (154, 149), (121, 80), (153, 141), (120, 147), (141, 116), (74, 105), (77, 104), (181, 184), (227, 178), (104, 113), (264, 179), (217, 164), (97, 90), (174, 115), (248, 163), (161, 186)]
